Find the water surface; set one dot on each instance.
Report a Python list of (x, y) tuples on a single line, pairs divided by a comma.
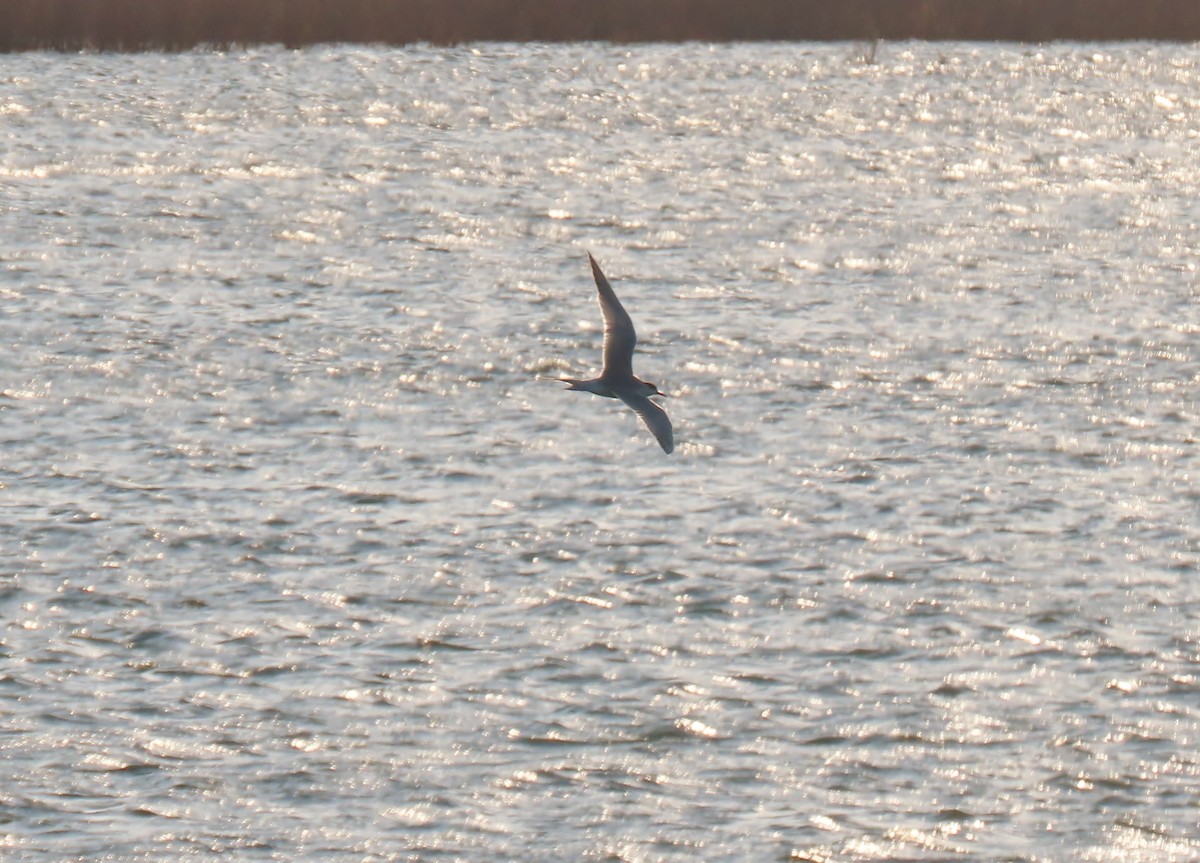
[(307, 558)]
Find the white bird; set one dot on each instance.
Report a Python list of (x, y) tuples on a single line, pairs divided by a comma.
[(616, 379)]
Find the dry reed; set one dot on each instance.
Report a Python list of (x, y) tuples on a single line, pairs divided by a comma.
[(182, 24)]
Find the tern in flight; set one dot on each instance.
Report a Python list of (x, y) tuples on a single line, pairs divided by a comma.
[(616, 379)]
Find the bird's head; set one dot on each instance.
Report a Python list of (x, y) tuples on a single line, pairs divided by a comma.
[(651, 389)]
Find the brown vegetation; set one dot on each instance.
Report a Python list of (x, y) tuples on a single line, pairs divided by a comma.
[(179, 24)]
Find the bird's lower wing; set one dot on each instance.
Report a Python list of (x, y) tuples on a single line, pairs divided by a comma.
[(655, 418)]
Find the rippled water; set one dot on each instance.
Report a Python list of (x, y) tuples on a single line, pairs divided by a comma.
[(304, 558)]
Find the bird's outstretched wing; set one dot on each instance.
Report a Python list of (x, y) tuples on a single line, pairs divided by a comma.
[(619, 335), (655, 418)]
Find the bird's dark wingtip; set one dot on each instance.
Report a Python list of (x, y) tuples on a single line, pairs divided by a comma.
[(598, 274)]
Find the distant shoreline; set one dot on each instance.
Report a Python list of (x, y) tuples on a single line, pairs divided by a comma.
[(132, 25)]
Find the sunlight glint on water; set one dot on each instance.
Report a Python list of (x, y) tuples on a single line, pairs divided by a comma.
[(308, 558)]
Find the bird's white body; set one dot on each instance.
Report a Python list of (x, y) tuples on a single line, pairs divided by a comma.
[(616, 379)]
